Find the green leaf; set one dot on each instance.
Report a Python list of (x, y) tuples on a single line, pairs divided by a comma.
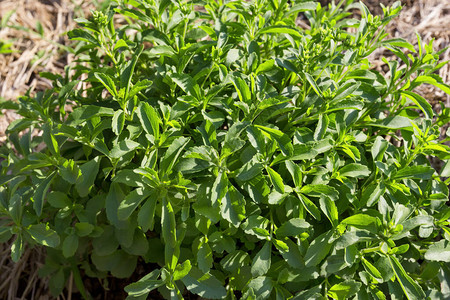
[(70, 245), (439, 251), (219, 188), (310, 207), (371, 268), (372, 194), (344, 290), (235, 261), (416, 172), (318, 249), (399, 42), (321, 128), (149, 119), (49, 139), (83, 229), (89, 172), (279, 29), (17, 248), (233, 206), (44, 235), (82, 35), (362, 221), (41, 191), (69, 171), (58, 199), (146, 215), (394, 122), (135, 14), (354, 170), (430, 80), (292, 227), (378, 148), (261, 287), (127, 73), (131, 202), (262, 260), (118, 121), (182, 270), (411, 289), (87, 112), (168, 223), (276, 180), (145, 285), (329, 209), (119, 44), (170, 158), (295, 172), (204, 284), (122, 148), (205, 257), (113, 199), (421, 102), (301, 7), (107, 82), (282, 139), (242, 89), (187, 84), (313, 84), (319, 190)]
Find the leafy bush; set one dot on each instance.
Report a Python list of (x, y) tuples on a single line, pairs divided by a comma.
[(238, 153)]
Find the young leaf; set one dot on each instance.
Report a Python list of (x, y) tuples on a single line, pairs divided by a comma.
[(344, 290), (182, 270)]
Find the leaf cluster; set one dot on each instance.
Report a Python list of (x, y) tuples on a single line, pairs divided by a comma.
[(238, 153)]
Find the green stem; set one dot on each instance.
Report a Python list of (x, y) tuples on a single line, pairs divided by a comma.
[(79, 283)]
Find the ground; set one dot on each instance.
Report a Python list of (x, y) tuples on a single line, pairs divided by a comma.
[(32, 40)]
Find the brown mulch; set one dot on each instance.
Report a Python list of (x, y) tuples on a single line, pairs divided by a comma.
[(35, 50)]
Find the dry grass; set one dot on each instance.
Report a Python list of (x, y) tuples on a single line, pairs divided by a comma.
[(34, 50), (34, 53)]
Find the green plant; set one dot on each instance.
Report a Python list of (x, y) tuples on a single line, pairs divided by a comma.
[(239, 154)]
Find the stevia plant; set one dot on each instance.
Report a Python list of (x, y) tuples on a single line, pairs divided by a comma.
[(240, 155)]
